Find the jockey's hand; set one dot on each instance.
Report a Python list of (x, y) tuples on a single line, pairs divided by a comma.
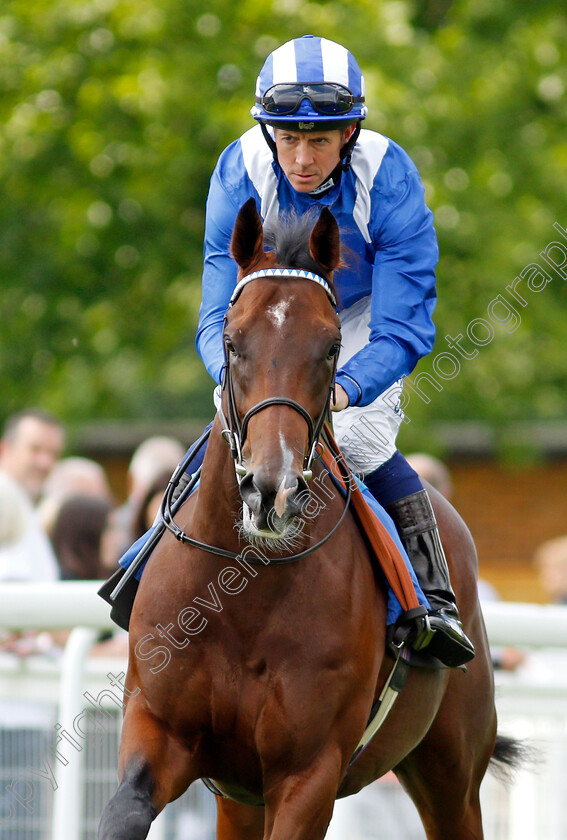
[(341, 399)]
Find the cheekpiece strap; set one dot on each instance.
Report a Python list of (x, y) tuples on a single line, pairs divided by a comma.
[(283, 272)]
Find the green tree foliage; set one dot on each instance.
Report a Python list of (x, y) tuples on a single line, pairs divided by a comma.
[(112, 115)]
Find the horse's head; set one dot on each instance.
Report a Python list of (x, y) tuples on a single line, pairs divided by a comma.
[(282, 337)]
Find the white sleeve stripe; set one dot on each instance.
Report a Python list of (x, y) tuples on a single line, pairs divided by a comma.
[(257, 159), (256, 155), (366, 161)]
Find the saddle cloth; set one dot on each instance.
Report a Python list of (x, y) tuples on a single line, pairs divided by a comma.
[(404, 591)]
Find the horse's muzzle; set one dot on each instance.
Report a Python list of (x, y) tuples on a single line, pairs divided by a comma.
[(274, 507)]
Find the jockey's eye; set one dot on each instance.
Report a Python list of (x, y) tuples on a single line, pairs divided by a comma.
[(334, 351)]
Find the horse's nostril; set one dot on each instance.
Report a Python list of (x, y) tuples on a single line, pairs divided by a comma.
[(251, 494), (273, 508), (291, 497)]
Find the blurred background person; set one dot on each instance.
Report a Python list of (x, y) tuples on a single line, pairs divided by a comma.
[(31, 444), (434, 471), (150, 505), (77, 475), (73, 476), (26, 556), (152, 458), (16, 517), (77, 536), (550, 559)]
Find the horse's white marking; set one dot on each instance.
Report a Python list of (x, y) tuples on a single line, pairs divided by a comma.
[(287, 456), (277, 313), (287, 464), (291, 528)]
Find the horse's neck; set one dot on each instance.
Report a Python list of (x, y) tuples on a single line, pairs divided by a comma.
[(218, 504)]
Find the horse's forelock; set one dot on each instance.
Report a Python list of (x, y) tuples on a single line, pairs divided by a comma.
[(289, 240)]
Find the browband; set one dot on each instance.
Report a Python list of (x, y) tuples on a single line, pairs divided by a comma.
[(283, 272)]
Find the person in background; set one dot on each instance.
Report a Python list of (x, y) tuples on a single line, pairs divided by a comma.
[(76, 475), (31, 445), (77, 536), (150, 505), (433, 470), (71, 477), (550, 560), (155, 455), (26, 556), (16, 518)]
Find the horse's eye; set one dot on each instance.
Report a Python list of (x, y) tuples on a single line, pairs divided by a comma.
[(230, 346), (334, 351)]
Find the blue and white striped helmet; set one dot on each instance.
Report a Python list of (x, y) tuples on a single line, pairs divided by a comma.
[(310, 80)]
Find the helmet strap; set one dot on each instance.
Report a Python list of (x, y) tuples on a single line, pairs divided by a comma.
[(269, 140), (346, 151)]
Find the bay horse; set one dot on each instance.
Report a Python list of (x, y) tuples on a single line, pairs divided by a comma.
[(260, 677)]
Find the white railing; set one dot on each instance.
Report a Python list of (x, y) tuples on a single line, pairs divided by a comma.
[(531, 703), (59, 605)]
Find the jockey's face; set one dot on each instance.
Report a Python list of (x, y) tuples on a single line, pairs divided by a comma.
[(308, 157)]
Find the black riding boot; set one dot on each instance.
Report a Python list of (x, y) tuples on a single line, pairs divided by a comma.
[(415, 520)]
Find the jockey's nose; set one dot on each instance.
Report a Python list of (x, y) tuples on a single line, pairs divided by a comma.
[(274, 506)]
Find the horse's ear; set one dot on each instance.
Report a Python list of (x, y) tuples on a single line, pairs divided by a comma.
[(247, 243), (324, 242)]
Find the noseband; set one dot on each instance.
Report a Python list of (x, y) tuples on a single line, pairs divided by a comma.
[(235, 430)]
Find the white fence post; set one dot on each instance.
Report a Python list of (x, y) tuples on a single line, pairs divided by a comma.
[(67, 799)]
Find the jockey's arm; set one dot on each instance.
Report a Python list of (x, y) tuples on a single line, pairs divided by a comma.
[(219, 274), (403, 293)]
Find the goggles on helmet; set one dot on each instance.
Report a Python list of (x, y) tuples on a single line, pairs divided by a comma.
[(327, 98)]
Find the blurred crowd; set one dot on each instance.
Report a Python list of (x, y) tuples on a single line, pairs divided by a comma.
[(58, 517), (60, 521)]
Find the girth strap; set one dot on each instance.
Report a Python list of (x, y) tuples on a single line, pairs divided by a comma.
[(390, 693)]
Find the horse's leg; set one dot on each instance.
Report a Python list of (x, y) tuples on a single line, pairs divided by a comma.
[(300, 806), (239, 822), (153, 770), (443, 774)]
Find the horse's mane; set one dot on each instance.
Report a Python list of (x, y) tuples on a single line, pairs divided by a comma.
[(289, 239)]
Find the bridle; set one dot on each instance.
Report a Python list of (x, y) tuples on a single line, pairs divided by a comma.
[(235, 430)]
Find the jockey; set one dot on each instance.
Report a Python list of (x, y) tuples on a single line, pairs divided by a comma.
[(308, 151)]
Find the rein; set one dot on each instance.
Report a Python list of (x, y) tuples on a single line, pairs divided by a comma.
[(179, 533), (234, 432)]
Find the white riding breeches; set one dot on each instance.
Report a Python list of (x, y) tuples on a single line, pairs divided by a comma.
[(366, 434)]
